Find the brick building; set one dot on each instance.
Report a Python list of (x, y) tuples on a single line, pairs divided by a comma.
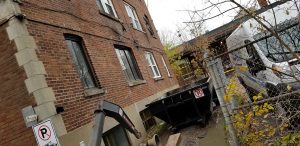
[(71, 54)]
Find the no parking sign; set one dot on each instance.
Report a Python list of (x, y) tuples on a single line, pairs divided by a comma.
[(45, 134)]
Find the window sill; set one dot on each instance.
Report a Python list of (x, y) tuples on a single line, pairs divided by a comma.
[(158, 78), (93, 91), (109, 16), (135, 83), (139, 30)]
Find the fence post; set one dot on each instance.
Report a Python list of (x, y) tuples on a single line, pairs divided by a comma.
[(219, 79)]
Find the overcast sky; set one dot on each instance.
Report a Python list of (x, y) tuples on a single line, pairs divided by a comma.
[(167, 16)]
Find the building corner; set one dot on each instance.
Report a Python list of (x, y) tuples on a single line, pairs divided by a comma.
[(27, 59)]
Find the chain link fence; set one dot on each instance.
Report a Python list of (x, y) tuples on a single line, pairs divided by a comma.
[(260, 95)]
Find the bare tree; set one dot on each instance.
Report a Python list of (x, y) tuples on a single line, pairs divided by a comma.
[(270, 28)]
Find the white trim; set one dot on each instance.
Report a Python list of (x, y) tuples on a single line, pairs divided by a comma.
[(133, 17), (152, 64), (163, 60), (104, 7)]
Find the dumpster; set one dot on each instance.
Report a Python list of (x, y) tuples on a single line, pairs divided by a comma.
[(186, 105)]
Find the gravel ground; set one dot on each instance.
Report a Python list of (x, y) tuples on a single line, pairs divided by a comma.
[(211, 135)]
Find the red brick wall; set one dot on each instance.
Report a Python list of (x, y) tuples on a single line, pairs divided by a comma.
[(13, 97), (49, 20)]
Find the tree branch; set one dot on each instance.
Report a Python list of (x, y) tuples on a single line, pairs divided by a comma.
[(274, 33), (212, 16)]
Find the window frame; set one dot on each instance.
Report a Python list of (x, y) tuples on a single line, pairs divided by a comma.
[(152, 64), (147, 119), (165, 65), (102, 5), (149, 26), (136, 24), (130, 66), (85, 57), (110, 135)]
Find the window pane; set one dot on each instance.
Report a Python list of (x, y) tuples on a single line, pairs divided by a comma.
[(131, 13), (81, 63), (107, 6), (129, 63), (137, 24), (148, 119), (127, 9), (116, 137), (152, 73), (85, 73), (133, 17), (122, 63), (136, 20), (109, 9), (152, 64), (272, 48), (99, 3), (127, 66), (133, 65), (120, 59), (148, 58), (156, 71)]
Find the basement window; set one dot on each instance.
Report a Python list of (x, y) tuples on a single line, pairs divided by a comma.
[(116, 136), (148, 119)]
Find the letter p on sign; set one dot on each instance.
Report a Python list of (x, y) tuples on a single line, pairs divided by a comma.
[(45, 134)]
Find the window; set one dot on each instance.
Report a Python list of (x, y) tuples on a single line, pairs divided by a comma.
[(107, 7), (148, 119), (148, 25), (152, 64), (79, 57), (185, 68), (163, 60), (128, 63), (288, 31), (117, 136), (133, 17)]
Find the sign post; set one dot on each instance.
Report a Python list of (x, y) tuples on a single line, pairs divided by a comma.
[(45, 134)]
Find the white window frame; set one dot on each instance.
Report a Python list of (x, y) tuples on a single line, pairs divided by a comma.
[(102, 4), (163, 60), (133, 17), (152, 64), (132, 71)]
